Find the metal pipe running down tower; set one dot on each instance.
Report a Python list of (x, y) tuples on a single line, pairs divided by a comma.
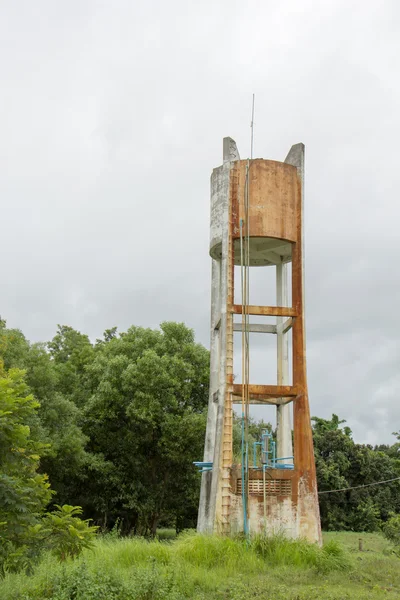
[(264, 199)]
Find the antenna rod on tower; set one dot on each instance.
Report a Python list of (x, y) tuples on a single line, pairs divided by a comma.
[(252, 128)]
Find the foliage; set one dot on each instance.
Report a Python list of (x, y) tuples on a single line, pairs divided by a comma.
[(193, 567), (146, 418), (341, 463), (81, 584), (24, 493), (71, 352), (55, 420), (64, 533), (279, 550), (255, 430), (25, 528), (123, 420), (213, 551), (166, 534), (391, 530)]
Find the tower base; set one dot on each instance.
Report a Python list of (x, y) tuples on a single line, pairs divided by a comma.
[(279, 503), (285, 507)]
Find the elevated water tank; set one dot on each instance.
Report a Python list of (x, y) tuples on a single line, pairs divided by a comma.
[(273, 197)]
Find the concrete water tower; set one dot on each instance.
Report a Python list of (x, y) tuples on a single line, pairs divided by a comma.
[(257, 221)]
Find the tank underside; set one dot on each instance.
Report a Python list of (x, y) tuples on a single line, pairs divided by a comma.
[(264, 251)]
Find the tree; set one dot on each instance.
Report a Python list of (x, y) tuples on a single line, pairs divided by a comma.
[(146, 419), (391, 530), (341, 463), (25, 527), (24, 493), (13, 347), (71, 351), (56, 420)]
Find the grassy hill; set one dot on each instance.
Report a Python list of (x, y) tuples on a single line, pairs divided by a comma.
[(199, 568)]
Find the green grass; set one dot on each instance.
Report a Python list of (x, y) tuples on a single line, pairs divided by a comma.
[(166, 534), (205, 567)]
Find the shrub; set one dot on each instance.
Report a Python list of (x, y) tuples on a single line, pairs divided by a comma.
[(391, 530), (65, 534), (82, 583), (25, 528)]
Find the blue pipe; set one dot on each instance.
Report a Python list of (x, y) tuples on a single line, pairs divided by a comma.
[(255, 444), (203, 466), (266, 453), (268, 457)]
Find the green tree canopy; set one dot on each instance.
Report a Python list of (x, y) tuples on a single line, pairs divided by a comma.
[(341, 463), (146, 418), (56, 420), (24, 493)]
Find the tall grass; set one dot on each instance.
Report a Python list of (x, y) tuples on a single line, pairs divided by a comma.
[(279, 551), (129, 552), (192, 566), (210, 551), (166, 534)]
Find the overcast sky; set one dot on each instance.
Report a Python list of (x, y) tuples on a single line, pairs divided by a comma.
[(112, 115)]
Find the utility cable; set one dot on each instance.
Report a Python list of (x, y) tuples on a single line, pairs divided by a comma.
[(245, 290), (243, 299), (357, 487)]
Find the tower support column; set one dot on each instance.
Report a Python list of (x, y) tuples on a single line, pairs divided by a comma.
[(283, 412)]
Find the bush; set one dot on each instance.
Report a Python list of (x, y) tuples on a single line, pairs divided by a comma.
[(65, 534), (81, 583), (391, 530), (26, 529)]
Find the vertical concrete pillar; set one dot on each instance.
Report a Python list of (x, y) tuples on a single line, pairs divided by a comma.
[(283, 411), (309, 525), (205, 521), (214, 493)]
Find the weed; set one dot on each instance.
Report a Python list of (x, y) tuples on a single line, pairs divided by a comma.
[(278, 551), (195, 567), (166, 534)]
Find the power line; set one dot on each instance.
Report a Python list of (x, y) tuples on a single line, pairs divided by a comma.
[(356, 487)]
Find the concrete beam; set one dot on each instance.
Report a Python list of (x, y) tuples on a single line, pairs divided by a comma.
[(274, 257), (269, 391), (285, 326), (255, 328), (262, 401), (266, 311), (217, 323)]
